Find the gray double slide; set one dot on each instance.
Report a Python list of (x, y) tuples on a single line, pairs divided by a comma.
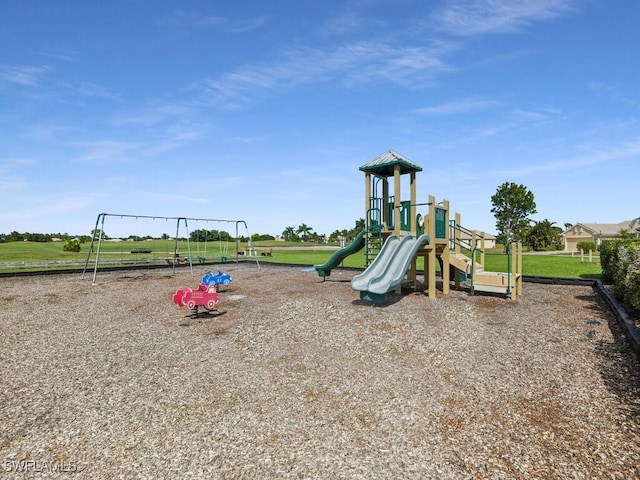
[(389, 268)]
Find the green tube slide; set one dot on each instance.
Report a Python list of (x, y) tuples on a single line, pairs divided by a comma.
[(324, 270)]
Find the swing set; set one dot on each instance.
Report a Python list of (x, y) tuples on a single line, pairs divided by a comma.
[(145, 255), (209, 236)]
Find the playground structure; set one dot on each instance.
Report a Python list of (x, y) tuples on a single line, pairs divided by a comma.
[(358, 244), (397, 232), (171, 255)]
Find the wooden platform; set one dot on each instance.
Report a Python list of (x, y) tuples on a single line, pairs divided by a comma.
[(497, 282)]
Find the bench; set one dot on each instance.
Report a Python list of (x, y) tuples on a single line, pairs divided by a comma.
[(177, 261)]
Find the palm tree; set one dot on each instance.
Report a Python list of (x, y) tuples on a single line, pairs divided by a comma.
[(334, 236), (289, 234), (304, 230), (542, 235)]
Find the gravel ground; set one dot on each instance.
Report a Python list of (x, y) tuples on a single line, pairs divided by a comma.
[(297, 378)]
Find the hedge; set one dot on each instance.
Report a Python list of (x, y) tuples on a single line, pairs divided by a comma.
[(587, 246), (620, 260)]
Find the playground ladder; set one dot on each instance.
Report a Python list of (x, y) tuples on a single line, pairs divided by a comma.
[(373, 236), (373, 244)]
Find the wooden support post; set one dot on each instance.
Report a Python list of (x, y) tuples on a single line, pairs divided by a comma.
[(446, 270), (385, 204), (425, 262), (412, 274), (396, 199), (456, 244), (367, 195), (519, 263), (432, 271), (446, 263), (431, 219), (412, 209)]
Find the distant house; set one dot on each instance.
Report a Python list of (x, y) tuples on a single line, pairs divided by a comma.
[(596, 232), (489, 240)]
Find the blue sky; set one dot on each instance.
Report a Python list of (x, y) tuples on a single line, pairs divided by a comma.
[(264, 111)]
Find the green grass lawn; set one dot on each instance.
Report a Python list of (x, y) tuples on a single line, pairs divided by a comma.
[(559, 266)]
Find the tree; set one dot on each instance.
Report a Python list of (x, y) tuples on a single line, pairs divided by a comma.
[(304, 230), (624, 233), (96, 234), (289, 234), (512, 205), (335, 235), (360, 225), (543, 235)]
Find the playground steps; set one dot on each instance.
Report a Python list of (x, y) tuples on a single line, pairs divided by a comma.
[(497, 282), (463, 263)]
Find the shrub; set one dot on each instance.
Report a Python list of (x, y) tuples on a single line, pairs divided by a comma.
[(631, 281), (620, 260), (609, 257), (587, 246), (71, 245)]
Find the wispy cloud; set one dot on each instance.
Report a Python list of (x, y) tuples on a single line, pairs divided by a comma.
[(25, 75), (47, 132), (12, 184), (11, 164), (89, 89), (601, 155), (412, 64), (154, 115), (457, 107), (105, 152), (249, 139), (248, 24), (472, 17), (522, 116), (59, 54), (180, 199), (40, 208), (174, 138), (180, 18), (345, 23), (183, 19), (355, 63), (14, 174), (615, 93)]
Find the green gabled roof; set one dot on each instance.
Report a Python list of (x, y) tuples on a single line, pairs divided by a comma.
[(383, 165)]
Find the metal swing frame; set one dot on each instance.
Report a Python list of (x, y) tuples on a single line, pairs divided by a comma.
[(99, 231)]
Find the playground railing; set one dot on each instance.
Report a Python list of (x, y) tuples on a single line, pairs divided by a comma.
[(469, 244)]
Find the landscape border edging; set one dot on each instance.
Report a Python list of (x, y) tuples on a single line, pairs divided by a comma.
[(630, 330)]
